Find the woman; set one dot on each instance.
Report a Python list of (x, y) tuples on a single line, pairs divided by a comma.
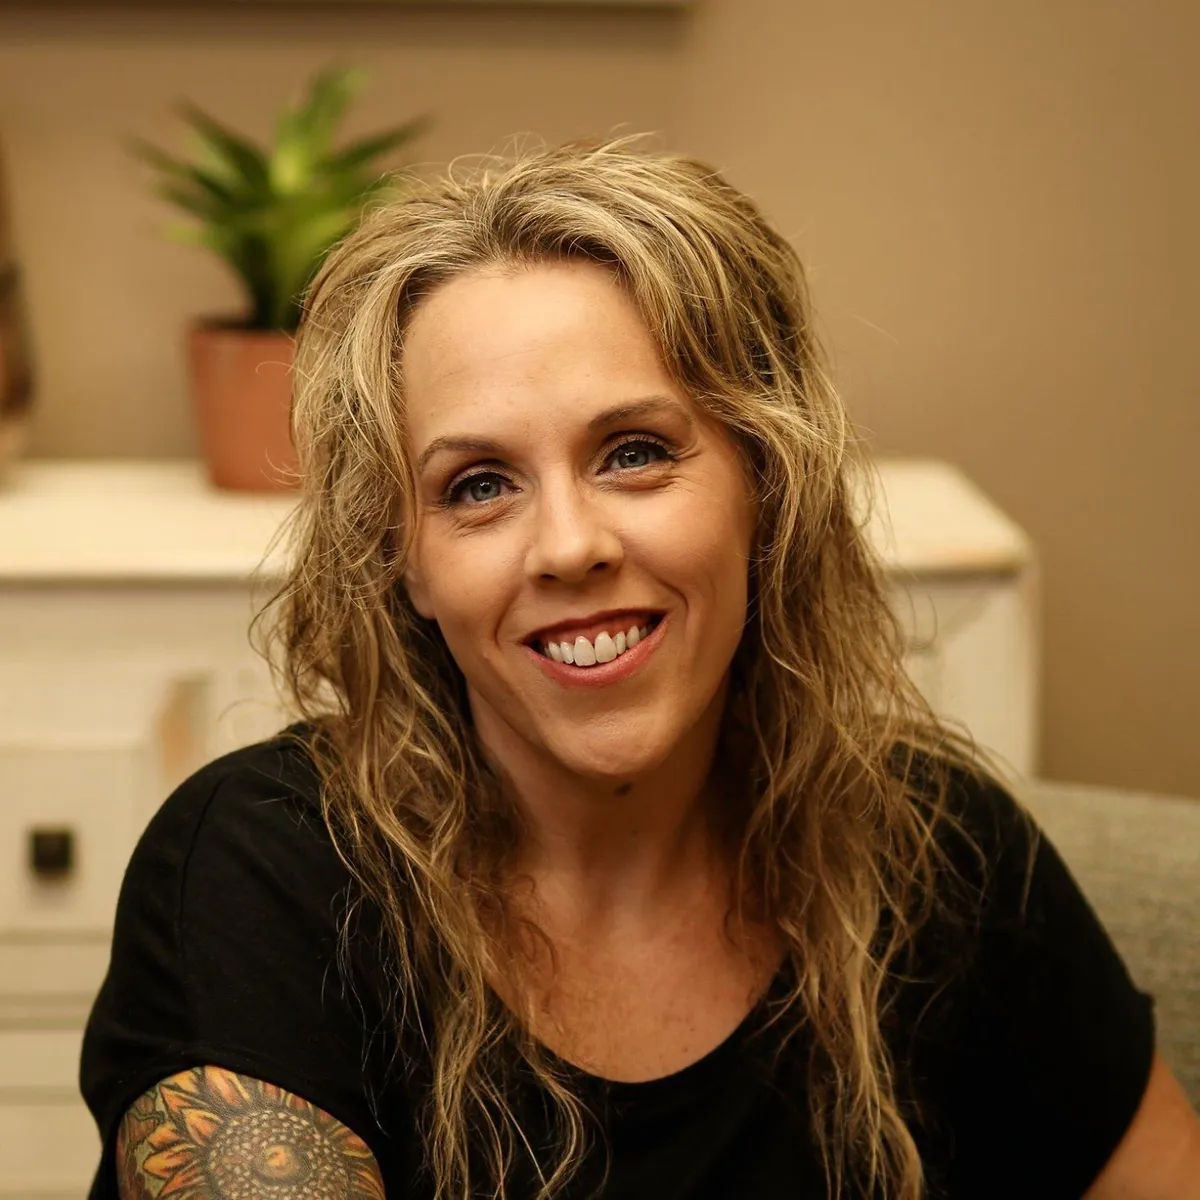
[(615, 854)]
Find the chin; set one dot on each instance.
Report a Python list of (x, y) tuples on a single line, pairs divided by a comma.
[(612, 754)]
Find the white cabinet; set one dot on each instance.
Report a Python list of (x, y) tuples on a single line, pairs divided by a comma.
[(964, 581), (85, 757), (126, 593)]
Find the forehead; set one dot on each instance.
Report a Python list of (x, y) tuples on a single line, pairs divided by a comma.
[(549, 340)]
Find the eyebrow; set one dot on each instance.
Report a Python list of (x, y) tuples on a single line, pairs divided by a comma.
[(649, 406)]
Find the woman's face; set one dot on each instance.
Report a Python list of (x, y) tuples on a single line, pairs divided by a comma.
[(564, 480)]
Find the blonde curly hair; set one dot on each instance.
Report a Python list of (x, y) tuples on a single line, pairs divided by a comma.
[(836, 832)]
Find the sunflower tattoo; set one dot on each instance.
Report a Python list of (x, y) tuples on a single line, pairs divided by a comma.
[(211, 1134)]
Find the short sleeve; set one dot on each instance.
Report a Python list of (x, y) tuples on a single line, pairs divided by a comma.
[(1037, 1059), (225, 951)]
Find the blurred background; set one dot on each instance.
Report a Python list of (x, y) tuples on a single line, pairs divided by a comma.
[(997, 205)]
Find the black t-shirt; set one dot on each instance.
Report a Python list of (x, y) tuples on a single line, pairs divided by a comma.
[(1028, 1067)]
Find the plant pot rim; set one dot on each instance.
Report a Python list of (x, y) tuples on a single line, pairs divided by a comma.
[(235, 325)]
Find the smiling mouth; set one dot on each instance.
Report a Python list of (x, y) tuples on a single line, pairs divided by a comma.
[(586, 652)]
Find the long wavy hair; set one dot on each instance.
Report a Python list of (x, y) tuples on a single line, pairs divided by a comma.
[(833, 820)]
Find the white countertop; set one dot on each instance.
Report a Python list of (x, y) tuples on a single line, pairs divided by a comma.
[(118, 520), (145, 521), (936, 521)]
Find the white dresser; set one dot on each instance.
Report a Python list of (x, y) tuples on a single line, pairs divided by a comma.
[(126, 591)]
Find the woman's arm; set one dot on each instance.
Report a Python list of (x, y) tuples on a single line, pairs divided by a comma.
[(211, 1134), (1159, 1156)]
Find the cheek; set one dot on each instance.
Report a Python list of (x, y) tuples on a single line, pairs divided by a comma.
[(709, 533), (722, 554), (471, 584), (705, 559)]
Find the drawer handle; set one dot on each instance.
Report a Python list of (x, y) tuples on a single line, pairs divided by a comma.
[(51, 853)]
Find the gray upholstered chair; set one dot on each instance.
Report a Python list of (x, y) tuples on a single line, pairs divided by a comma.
[(1137, 859)]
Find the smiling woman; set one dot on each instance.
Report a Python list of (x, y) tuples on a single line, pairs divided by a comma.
[(615, 854), (643, 511)]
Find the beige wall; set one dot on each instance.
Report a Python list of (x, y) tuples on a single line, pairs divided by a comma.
[(997, 203), (1000, 207)]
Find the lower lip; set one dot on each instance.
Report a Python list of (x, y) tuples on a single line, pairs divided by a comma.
[(602, 674)]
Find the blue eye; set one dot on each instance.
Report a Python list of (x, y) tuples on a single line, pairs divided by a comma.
[(454, 494), (640, 450), (489, 478)]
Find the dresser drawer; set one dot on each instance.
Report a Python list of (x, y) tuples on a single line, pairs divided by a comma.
[(35, 971), (85, 758), (39, 1064), (49, 1146), (47, 1150), (85, 795)]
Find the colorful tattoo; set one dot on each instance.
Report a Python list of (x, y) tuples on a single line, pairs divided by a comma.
[(211, 1134)]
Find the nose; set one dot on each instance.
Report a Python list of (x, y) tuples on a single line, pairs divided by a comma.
[(570, 536)]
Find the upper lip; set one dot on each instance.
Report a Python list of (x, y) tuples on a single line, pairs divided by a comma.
[(596, 618)]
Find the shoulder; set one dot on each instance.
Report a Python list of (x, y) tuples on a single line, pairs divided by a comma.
[(228, 948), (273, 772), (239, 845), (974, 795), (235, 896), (1032, 1033), (987, 843), (267, 788), (1026, 914)]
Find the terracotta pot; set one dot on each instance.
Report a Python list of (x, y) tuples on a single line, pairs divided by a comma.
[(241, 383)]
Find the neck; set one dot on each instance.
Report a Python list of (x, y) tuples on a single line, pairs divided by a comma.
[(611, 852), (622, 859)]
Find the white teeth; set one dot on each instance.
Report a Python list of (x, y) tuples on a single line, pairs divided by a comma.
[(606, 648), (585, 655), (582, 653)]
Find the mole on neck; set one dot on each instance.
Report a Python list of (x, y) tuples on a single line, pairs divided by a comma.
[(623, 789)]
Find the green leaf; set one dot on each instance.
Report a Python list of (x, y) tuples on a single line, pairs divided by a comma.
[(245, 163), (367, 149), (174, 167), (306, 243), (328, 98), (273, 215), (196, 203), (305, 132), (290, 167), (250, 257), (192, 235)]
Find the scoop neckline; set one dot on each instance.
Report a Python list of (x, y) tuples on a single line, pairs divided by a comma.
[(688, 1079)]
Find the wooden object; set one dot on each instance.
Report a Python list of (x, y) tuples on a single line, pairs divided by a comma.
[(83, 765)]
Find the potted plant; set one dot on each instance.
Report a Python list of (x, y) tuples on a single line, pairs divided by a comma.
[(272, 213)]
